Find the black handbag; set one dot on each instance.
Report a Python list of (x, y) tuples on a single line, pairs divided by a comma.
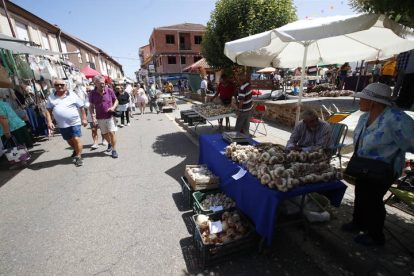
[(117, 113), (370, 169)]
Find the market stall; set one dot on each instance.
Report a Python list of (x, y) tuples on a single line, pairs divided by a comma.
[(256, 200), (211, 111)]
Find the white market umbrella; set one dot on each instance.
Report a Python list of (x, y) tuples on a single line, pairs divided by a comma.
[(267, 70), (329, 40)]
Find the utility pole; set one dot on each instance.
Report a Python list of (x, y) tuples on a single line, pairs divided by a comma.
[(8, 18)]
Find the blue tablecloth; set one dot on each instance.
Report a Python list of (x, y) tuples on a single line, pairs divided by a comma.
[(257, 201)]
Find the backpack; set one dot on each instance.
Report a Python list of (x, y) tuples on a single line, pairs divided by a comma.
[(389, 68)]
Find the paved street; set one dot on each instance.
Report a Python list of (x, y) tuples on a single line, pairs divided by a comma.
[(120, 216)]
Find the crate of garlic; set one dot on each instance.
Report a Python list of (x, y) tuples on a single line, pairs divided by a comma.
[(210, 202), (211, 109), (201, 178), (282, 170)]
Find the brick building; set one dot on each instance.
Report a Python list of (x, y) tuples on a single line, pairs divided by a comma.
[(173, 48), (30, 27)]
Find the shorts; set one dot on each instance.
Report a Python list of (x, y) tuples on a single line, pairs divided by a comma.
[(226, 101), (70, 132), (342, 77), (107, 125)]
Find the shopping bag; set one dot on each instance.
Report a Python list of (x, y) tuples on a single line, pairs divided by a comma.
[(17, 153), (4, 78)]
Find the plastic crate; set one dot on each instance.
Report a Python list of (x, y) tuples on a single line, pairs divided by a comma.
[(198, 197), (185, 116), (187, 192), (211, 254)]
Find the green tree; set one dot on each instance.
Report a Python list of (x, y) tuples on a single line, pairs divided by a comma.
[(234, 19), (401, 11)]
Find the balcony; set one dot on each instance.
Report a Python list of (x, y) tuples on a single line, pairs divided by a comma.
[(185, 46)]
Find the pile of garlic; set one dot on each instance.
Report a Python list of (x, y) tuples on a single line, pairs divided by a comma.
[(219, 199), (275, 167), (200, 173), (233, 225), (212, 109)]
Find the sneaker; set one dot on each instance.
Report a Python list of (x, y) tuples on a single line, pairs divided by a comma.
[(121, 125), (365, 239), (73, 153), (114, 154), (95, 146), (78, 162), (109, 148), (128, 124), (104, 143)]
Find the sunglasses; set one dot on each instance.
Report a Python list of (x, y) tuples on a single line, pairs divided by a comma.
[(59, 84)]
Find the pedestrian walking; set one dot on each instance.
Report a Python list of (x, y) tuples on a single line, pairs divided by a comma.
[(64, 105), (123, 106), (152, 95), (103, 100), (142, 98)]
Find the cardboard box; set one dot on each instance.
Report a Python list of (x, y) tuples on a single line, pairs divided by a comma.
[(204, 184)]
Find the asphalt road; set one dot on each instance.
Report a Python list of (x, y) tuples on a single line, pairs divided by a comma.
[(120, 216)]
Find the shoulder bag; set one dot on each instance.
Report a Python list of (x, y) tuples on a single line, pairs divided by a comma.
[(370, 169), (17, 153)]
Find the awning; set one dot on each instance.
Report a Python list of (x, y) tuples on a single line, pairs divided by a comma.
[(19, 48)]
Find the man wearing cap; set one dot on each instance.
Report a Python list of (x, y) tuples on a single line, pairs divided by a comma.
[(385, 134), (64, 106), (203, 88), (152, 92)]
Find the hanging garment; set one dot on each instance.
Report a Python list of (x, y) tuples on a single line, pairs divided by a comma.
[(37, 122)]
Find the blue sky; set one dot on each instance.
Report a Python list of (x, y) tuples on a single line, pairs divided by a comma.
[(121, 27)]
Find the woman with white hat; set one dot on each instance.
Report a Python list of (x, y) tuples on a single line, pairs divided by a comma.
[(383, 134)]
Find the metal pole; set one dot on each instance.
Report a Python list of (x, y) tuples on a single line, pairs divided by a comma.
[(359, 76), (302, 77), (8, 18)]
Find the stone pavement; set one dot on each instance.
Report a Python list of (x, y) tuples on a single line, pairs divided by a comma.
[(332, 249)]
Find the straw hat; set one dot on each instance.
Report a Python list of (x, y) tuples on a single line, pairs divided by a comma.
[(377, 92)]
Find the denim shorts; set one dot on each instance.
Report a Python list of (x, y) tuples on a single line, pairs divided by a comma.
[(70, 132)]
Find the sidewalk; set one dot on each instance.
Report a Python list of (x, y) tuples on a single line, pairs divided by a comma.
[(333, 250)]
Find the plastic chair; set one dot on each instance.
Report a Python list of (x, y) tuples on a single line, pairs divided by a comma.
[(260, 110), (339, 132)]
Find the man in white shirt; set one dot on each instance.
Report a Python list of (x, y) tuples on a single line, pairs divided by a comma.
[(64, 106), (203, 88)]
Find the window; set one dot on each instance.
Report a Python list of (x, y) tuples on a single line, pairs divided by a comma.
[(93, 60), (198, 39), (170, 39), (87, 57), (197, 58), (160, 61), (182, 60), (22, 32), (64, 49), (172, 60), (79, 56), (45, 40)]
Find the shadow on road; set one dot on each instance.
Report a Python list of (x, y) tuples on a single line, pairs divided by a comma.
[(179, 202), (6, 175), (65, 161)]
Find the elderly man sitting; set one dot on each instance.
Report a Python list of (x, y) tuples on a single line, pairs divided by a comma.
[(310, 134)]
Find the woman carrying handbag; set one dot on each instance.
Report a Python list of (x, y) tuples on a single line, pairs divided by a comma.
[(12, 130), (381, 138)]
